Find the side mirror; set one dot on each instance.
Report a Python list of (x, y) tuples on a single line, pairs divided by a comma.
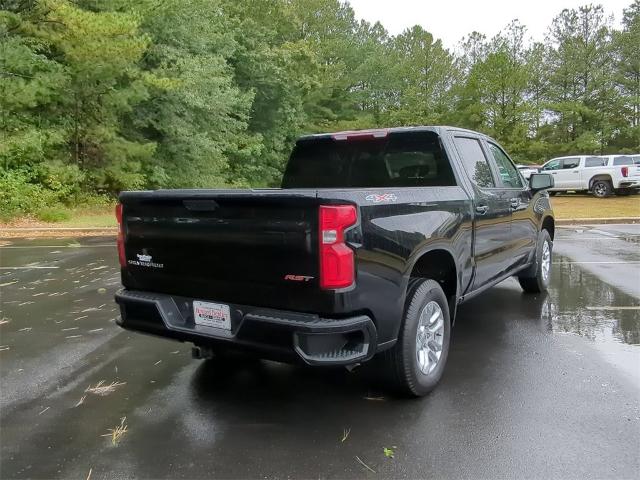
[(540, 181)]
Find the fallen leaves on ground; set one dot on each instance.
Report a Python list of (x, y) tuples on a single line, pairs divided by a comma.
[(118, 432), (365, 465), (103, 389)]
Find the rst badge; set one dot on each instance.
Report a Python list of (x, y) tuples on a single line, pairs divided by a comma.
[(144, 260), (297, 278)]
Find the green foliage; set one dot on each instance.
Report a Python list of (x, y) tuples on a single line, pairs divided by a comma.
[(98, 96), (19, 195)]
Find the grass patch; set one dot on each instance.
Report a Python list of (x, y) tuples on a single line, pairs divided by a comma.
[(53, 215), (585, 206), (97, 216), (565, 206)]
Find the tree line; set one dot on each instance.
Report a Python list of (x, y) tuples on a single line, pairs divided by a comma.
[(98, 96)]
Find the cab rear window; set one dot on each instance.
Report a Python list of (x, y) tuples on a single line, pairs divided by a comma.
[(403, 159)]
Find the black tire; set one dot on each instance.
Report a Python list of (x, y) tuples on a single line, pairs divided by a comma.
[(403, 368), (601, 188), (534, 279)]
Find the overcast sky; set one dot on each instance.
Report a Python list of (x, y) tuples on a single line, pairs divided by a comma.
[(450, 20)]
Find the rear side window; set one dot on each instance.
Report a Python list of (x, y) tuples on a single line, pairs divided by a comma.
[(475, 163), (624, 160), (568, 163), (406, 159), (595, 162)]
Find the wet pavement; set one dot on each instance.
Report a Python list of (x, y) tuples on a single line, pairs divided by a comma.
[(543, 386)]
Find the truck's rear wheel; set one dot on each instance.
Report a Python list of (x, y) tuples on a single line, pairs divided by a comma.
[(416, 363), (601, 188), (536, 278)]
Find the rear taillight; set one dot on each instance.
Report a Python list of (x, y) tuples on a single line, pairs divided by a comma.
[(625, 171), (336, 258), (120, 240)]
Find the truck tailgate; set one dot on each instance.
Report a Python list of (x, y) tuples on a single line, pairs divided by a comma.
[(239, 246)]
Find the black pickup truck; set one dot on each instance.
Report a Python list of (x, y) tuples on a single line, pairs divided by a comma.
[(366, 251)]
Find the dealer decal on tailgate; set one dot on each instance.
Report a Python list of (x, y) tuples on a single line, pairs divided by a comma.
[(145, 261)]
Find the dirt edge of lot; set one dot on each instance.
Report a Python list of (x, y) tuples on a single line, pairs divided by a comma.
[(53, 232)]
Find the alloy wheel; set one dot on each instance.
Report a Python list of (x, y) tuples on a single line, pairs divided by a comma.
[(429, 337)]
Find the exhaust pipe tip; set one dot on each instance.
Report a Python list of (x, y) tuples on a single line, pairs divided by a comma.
[(201, 353)]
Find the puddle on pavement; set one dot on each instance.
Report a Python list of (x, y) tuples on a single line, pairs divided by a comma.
[(580, 303), (596, 234)]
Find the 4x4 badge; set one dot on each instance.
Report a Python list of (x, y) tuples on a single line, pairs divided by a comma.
[(384, 197)]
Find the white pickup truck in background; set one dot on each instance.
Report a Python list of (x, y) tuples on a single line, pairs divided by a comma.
[(527, 170), (598, 174)]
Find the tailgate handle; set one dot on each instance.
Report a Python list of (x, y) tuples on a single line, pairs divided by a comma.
[(200, 205)]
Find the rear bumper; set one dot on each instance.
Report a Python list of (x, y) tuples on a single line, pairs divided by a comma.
[(277, 334), (629, 184)]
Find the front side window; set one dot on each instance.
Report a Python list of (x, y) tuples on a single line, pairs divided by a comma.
[(553, 165), (595, 162), (568, 163), (475, 163), (508, 172)]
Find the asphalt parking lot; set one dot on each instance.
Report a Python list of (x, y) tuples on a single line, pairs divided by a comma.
[(541, 386)]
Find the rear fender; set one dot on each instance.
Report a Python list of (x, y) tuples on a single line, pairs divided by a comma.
[(603, 176)]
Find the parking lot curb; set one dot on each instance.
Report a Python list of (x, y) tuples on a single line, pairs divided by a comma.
[(596, 221)]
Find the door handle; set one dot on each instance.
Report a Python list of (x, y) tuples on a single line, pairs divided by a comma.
[(482, 209), (515, 203), (554, 173)]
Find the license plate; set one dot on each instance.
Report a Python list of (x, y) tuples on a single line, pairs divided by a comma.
[(212, 314)]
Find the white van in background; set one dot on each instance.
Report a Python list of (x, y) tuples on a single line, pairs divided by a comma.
[(598, 174)]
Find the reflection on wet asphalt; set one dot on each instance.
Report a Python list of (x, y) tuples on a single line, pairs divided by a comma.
[(581, 303), (536, 386), (610, 252)]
